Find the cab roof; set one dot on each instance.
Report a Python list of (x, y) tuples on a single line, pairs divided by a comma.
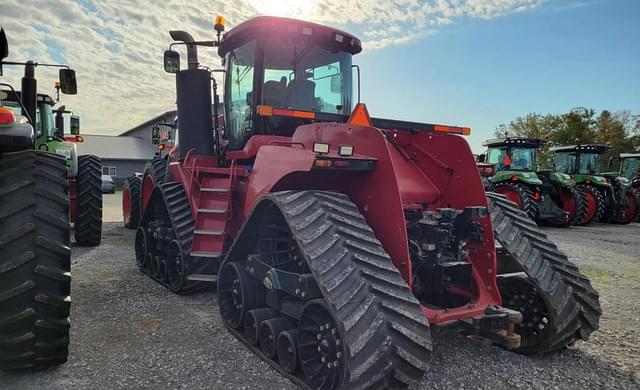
[(629, 155), (262, 26), (585, 148), (515, 141), (41, 97)]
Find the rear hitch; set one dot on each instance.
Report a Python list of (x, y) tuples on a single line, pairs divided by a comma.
[(496, 326)]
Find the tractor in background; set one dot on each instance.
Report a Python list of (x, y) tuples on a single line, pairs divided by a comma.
[(547, 197), (337, 239), (164, 136), (612, 195), (35, 278)]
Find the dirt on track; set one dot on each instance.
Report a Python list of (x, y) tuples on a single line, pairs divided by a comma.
[(129, 332)]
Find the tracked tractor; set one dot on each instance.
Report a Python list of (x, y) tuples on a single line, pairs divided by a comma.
[(547, 197), (139, 186), (35, 265), (612, 195), (337, 239)]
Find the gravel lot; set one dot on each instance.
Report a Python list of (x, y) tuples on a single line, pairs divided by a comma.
[(130, 333)]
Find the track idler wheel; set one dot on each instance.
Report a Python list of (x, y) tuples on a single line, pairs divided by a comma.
[(288, 350), (520, 294), (320, 347), (269, 332)]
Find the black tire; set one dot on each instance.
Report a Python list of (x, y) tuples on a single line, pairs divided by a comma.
[(386, 337), (88, 223), (527, 203), (580, 204), (35, 279), (625, 219), (571, 305), (131, 188), (601, 204)]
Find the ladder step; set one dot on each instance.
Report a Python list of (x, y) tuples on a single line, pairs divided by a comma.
[(214, 190), (212, 211), (206, 254), (209, 232), (202, 278)]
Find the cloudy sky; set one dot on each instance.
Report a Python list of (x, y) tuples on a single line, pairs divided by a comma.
[(477, 63)]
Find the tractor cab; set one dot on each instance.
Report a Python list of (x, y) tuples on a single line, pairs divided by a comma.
[(513, 154), (630, 165), (282, 73), (579, 159)]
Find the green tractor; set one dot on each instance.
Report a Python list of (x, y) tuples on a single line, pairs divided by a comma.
[(610, 194), (547, 197), (35, 278), (84, 173)]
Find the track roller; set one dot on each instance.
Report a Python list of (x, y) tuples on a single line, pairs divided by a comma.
[(252, 321), (268, 334), (288, 350)]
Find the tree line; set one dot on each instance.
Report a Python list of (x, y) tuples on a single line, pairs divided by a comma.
[(621, 130)]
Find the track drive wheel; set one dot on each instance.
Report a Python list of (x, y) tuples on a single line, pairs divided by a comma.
[(131, 202), (358, 324), (521, 195), (35, 278), (558, 304), (154, 174), (596, 203), (630, 213), (88, 224)]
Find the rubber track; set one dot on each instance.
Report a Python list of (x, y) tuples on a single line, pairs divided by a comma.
[(176, 204), (387, 338), (157, 168), (88, 224), (35, 278), (529, 205), (133, 183), (573, 303)]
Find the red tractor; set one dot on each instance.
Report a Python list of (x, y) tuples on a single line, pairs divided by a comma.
[(337, 239)]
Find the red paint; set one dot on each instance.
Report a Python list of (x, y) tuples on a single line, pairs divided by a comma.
[(426, 170), (592, 206), (511, 194), (630, 212), (568, 203)]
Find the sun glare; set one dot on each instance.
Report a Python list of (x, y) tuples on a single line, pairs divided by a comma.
[(291, 8)]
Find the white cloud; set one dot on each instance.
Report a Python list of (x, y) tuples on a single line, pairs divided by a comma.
[(116, 45)]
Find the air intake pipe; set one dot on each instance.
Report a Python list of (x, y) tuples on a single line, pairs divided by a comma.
[(29, 91)]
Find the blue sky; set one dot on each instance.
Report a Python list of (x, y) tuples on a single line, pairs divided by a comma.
[(478, 63), (482, 73)]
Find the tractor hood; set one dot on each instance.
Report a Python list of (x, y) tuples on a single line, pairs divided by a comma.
[(530, 178)]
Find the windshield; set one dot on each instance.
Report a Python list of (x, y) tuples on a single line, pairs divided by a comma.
[(520, 159), (589, 164), (630, 167), (565, 162), (44, 120), (306, 77)]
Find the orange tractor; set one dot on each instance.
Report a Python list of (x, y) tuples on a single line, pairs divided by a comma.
[(337, 239)]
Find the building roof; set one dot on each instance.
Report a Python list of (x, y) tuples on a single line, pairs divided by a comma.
[(150, 121), (113, 147)]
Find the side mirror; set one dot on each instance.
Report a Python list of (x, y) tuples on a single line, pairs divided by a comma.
[(155, 135), (68, 83), (482, 157), (4, 46), (74, 124), (171, 61)]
